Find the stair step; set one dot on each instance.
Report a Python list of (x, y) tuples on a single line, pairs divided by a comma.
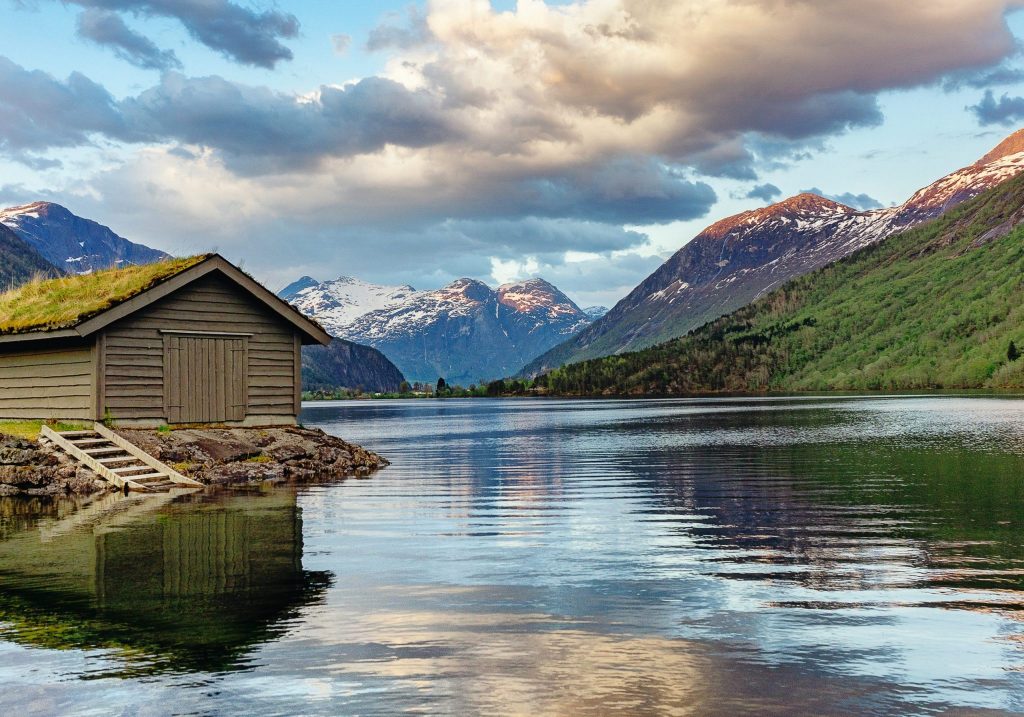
[(104, 451), (148, 478), (101, 449)]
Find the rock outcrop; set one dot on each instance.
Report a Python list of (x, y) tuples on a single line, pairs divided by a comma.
[(34, 469), (239, 455)]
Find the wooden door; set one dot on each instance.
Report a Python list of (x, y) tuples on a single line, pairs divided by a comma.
[(205, 378)]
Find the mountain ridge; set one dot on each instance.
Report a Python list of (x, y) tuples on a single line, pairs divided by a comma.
[(71, 243), (740, 258), (464, 332), (936, 306)]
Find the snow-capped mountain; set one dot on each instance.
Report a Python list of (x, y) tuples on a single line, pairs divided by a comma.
[(289, 292), (336, 304), (464, 332), (739, 259), (71, 243), (595, 312)]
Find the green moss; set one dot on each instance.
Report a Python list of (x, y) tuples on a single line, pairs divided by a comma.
[(51, 304)]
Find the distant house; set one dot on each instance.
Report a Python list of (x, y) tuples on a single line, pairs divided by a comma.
[(182, 341)]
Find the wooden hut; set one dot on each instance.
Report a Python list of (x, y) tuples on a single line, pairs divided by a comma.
[(183, 341)]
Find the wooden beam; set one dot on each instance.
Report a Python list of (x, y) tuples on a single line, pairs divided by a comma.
[(144, 457)]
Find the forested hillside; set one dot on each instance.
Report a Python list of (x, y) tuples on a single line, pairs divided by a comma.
[(935, 307), (19, 262)]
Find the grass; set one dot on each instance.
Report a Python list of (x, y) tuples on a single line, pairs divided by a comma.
[(29, 430), (50, 304)]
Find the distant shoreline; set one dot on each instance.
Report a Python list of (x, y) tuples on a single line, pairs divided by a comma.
[(876, 393)]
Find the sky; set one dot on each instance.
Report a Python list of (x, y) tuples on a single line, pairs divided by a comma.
[(416, 143)]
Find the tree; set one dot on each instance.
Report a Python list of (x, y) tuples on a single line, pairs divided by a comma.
[(404, 387), (442, 385), (1012, 353)]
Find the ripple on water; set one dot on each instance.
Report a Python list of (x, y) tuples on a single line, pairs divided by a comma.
[(734, 556)]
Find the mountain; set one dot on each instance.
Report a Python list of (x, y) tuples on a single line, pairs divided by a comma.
[(737, 260), (289, 292), (344, 364), (336, 304), (937, 306), (595, 312), (19, 262), (464, 332), (71, 243)]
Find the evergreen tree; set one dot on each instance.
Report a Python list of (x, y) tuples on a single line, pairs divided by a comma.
[(442, 385), (1012, 353)]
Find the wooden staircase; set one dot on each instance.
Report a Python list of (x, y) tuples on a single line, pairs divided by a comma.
[(117, 460)]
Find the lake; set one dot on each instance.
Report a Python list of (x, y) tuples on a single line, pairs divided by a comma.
[(789, 556)]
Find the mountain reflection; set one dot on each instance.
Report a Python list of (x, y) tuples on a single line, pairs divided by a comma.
[(190, 583)]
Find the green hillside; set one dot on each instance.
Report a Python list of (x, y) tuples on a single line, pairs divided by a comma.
[(19, 262), (936, 307)]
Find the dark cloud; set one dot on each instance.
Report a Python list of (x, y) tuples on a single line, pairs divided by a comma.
[(628, 190), (547, 239), (239, 33), (108, 29), (765, 192), (39, 112), (863, 202), (260, 130), (1006, 110), (391, 36), (983, 79)]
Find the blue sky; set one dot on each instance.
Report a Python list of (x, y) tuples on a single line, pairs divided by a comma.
[(416, 143)]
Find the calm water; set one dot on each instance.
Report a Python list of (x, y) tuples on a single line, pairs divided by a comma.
[(807, 557)]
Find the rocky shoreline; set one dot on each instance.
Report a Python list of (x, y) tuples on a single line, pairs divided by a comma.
[(213, 456)]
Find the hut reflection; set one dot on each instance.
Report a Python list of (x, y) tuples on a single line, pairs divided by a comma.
[(192, 584)]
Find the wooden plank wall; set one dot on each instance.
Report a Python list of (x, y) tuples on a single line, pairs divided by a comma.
[(133, 349), (49, 383)]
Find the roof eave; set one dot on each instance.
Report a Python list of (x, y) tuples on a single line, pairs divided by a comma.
[(40, 336)]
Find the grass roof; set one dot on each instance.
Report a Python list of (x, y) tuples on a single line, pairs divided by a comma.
[(51, 304)]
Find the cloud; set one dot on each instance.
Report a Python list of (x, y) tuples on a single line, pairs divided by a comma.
[(1006, 110), (490, 132), (108, 29), (239, 33), (258, 129), (415, 33), (623, 191), (863, 202), (39, 112), (983, 79), (765, 192), (341, 43)]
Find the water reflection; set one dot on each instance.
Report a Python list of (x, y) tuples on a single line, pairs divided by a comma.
[(190, 582), (871, 544), (726, 557)]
